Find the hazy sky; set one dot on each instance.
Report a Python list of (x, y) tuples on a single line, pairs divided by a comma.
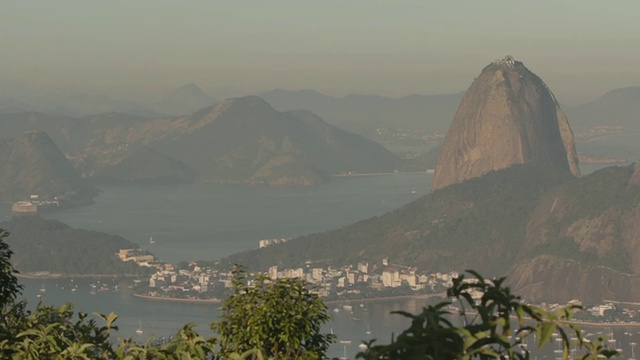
[(580, 48)]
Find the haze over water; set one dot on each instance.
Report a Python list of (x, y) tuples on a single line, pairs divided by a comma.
[(210, 221)]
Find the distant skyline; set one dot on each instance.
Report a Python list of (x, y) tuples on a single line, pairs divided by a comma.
[(144, 49)]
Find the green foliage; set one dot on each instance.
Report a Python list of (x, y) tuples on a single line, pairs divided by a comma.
[(282, 317), (56, 332), (460, 225), (487, 332), (9, 287), (44, 245), (605, 193)]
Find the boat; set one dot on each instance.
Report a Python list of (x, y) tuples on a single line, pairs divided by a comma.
[(345, 343), (151, 241), (347, 307), (139, 330)]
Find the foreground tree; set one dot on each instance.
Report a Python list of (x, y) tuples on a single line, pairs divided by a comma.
[(9, 287), (487, 332), (282, 318)]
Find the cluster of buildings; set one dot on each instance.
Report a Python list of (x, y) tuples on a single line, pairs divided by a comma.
[(33, 205), (362, 280), (507, 60), (351, 281), (138, 256), (267, 242)]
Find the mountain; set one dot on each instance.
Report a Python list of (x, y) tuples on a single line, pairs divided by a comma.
[(508, 202), (474, 224), (583, 240), (33, 165), (246, 140), (13, 106), (608, 126), (364, 113), (48, 245), (507, 116), (185, 100), (143, 165), (619, 107), (555, 236), (242, 140)]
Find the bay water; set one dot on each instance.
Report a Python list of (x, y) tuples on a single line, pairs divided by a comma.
[(209, 221)]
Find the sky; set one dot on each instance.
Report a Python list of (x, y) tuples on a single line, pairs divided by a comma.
[(146, 48)]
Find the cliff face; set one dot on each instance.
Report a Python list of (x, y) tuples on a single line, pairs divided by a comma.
[(508, 116)]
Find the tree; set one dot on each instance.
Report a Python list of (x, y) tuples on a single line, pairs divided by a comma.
[(487, 332), (282, 318), (9, 287)]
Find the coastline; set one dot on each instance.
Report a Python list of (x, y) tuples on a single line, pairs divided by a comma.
[(73, 276), (428, 171), (385, 298), (171, 299), (604, 324)]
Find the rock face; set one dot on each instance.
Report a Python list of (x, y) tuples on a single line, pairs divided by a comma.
[(508, 116)]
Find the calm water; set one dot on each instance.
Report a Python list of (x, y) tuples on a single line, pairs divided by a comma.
[(209, 221)]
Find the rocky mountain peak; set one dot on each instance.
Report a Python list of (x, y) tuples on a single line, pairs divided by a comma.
[(507, 116)]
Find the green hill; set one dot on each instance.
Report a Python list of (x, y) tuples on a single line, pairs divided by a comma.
[(49, 245), (33, 165), (557, 237)]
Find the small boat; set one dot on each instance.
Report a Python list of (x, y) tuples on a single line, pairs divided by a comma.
[(347, 307), (139, 330), (151, 241)]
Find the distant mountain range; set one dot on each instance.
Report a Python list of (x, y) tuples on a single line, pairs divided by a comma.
[(182, 101), (364, 113), (241, 140), (619, 107)]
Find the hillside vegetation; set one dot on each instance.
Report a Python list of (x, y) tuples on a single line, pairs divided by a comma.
[(535, 222), (41, 245)]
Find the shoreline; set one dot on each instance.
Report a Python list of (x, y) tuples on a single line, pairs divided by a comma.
[(172, 299), (384, 298), (73, 276), (428, 171)]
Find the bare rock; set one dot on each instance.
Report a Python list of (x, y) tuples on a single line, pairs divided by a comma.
[(508, 116)]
